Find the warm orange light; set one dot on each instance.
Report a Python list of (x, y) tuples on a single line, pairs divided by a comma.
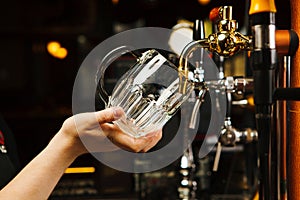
[(203, 2), (115, 2), (55, 49), (61, 53), (53, 46), (76, 170), (256, 197), (250, 100)]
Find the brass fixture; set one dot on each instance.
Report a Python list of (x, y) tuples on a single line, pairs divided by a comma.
[(227, 41)]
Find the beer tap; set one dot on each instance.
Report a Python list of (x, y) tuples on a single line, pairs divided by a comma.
[(188, 186), (263, 48), (227, 41), (229, 134), (198, 74)]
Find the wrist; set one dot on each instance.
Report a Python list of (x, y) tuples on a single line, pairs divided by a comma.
[(70, 146)]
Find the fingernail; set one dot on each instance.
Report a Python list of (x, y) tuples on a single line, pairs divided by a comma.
[(118, 112)]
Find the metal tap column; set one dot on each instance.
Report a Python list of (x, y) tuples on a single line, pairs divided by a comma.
[(263, 62)]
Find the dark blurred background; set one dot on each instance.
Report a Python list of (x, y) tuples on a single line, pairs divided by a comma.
[(36, 87)]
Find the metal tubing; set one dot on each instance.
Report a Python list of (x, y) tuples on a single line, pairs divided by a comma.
[(281, 128), (264, 62)]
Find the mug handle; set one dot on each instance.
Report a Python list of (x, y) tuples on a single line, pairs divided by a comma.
[(105, 62)]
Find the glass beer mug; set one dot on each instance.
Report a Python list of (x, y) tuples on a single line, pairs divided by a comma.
[(148, 92)]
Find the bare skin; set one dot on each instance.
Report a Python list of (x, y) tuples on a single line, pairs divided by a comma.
[(37, 180)]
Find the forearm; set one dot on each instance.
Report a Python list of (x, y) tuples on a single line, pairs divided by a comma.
[(37, 180), (39, 177)]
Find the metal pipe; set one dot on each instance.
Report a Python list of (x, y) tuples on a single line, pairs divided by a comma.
[(263, 62), (284, 171), (183, 61), (282, 129)]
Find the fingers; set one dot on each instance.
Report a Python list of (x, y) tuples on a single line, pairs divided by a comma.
[(126, 142), (153, 139), (144, 144), (120, 139), (109, 114)]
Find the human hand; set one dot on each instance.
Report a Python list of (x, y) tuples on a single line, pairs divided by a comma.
[(79, 134), (93, 132)]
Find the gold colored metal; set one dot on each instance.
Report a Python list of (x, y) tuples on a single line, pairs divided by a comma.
[(225, 42)]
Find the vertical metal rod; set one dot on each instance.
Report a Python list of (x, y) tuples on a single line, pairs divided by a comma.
[(288, 61), (281, 129), (284, 71)]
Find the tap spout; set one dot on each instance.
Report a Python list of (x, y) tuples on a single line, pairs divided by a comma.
[(183, 71)]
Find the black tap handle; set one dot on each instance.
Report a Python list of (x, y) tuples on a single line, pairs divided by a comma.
[(198, 30)]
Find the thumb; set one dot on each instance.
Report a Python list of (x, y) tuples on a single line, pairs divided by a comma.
[(109, 114)]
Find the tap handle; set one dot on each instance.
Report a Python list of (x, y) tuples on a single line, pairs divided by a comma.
[(217, 157), (198, 30), (287, 42), (226, 12), (199, 34), (199, 100), (229, 104), (220, 13), (214, 15)]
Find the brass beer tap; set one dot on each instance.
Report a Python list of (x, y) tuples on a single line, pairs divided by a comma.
[(226, 42)]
